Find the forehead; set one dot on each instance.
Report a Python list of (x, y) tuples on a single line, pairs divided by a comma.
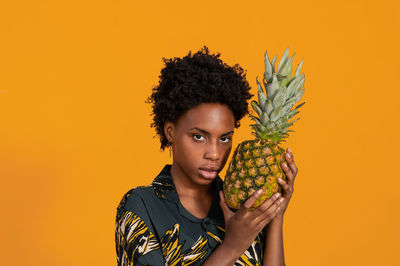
[(212, 117)]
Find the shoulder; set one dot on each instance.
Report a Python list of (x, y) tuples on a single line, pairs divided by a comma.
[(135, 199), (134, 234)]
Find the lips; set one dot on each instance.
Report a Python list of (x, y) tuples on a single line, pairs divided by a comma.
[(209, 172)]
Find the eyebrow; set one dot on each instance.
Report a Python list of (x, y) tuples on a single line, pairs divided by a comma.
[(207, 133)]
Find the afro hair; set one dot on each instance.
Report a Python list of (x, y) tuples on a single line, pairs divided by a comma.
[(186, 82)]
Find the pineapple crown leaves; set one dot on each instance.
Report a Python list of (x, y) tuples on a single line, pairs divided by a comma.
[(275, 102)]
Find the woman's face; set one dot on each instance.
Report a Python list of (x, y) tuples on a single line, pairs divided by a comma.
[(202, 141)]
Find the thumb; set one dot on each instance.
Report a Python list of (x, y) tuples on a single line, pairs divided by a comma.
[(225, 209)]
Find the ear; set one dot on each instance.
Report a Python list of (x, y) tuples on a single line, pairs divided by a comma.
[(169, 128)]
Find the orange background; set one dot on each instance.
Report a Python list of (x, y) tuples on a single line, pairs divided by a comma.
[(75, 129)]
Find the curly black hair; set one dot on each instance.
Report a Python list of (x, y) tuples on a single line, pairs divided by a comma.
[(186, 82)]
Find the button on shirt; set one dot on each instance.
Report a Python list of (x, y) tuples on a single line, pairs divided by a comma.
[(153, 228)]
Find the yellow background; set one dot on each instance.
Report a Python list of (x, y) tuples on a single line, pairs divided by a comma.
[(75, 134)]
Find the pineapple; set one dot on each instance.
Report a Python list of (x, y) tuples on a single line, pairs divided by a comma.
[(256, 163)]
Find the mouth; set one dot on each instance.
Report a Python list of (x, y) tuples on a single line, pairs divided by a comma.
[(208, 173)]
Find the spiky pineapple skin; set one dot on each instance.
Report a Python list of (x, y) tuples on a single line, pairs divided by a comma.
[(255, 164)]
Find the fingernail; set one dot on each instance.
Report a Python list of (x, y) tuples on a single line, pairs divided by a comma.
[(284, 165), (259, 191), (277, 195), (280, 179), (281, 200), (289, 150)]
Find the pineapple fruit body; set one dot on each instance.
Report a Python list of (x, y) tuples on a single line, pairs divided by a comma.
[(255, 164)]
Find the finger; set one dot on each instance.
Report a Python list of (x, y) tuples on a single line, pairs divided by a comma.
[(268, 219), (285, 186), (290, 161), (270, 213), (288, 173), (225, 209), (250, 201), (266, 205)]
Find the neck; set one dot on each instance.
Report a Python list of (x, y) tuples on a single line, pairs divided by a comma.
[(186, 187)]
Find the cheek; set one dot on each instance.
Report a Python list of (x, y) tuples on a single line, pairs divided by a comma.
[(226, 151), (188, 150)]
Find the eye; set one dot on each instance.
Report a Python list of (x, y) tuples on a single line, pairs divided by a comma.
[(225, 139), (198, 137)]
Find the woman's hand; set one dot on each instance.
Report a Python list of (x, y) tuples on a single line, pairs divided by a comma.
[(242, 227), (290, 170)]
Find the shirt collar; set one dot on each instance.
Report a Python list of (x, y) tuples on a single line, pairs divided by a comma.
[(165, 189), (164, 185)]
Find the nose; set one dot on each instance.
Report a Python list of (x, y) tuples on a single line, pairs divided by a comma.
[(212, 152)]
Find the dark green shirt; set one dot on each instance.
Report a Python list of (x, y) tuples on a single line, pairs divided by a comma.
[(153, 228)]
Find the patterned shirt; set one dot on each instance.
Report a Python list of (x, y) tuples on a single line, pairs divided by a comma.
[(153, 228)]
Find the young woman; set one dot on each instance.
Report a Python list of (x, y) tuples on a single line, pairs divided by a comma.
[(182, 218)]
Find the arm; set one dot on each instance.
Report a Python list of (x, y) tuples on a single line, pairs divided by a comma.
[(273, 252), (222, 256), (236, 239), (135, 241)]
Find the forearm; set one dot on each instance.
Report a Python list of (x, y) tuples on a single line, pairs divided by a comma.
[(273, 251), (222, 255)]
